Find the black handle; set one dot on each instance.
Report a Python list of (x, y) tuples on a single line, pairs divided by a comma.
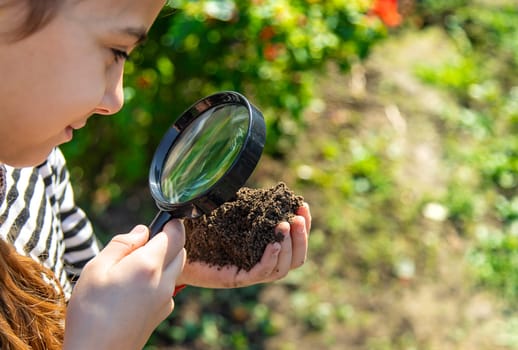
[(159, 222)]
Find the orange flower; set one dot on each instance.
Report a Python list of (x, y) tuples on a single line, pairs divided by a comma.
[(387, 11), (267, 33), (272, 51)]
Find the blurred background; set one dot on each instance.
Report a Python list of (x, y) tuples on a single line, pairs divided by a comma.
[(396, 120)]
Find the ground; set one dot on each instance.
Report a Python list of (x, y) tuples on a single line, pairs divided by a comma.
[(440, 309)]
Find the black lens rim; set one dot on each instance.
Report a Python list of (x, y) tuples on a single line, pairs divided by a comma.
[(233, 179)]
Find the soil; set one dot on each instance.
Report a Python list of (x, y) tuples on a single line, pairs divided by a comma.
[(236, 233)]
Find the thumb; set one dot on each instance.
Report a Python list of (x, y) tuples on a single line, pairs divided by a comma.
[(123, 244)]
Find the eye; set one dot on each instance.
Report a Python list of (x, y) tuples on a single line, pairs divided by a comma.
[(120, 55)]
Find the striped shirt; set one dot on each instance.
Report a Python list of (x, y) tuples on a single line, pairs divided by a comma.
[(38, 216)]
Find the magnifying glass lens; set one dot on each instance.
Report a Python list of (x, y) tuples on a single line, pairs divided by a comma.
[(204, 152)]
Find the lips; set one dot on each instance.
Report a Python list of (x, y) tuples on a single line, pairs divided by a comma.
[(69, 133), (77, 126), (69, 130), (80, 123)]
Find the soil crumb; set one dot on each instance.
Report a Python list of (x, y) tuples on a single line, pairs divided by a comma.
[(237, 232)]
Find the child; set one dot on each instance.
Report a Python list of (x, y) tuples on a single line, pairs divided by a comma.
[(61, 61)]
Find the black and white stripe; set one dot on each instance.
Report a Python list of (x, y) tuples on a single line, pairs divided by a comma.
[(40, 219)]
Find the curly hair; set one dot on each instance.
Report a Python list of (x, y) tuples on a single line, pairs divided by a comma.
[(32, 304)]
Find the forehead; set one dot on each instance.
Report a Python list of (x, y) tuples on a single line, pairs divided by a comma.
[(127, 13)]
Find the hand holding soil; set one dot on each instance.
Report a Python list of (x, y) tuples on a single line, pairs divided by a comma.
[(237, 233)]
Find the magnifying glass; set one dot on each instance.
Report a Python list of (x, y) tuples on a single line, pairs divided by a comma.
[(205, 157)]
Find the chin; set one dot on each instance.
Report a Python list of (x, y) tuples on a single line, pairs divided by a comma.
[(25, 159)]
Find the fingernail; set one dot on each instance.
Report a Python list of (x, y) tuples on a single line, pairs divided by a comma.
[(139, 230), (174, 224), (276, 248)]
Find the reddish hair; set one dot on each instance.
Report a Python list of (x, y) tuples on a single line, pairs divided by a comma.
[(32, 310)]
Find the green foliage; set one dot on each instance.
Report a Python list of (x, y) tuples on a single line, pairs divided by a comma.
[(433, 12), (221, 319), (495, 258), (268, 49)]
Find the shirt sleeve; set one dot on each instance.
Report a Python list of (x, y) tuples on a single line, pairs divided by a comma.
[(81, 244)]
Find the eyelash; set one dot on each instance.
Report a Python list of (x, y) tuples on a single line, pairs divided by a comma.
[(119, 54)]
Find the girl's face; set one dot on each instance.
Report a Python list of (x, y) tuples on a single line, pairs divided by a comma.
[(55, 79)]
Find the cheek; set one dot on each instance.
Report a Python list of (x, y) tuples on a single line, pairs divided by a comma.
[(58, 106), (75, 93), (81, 98), (73, 72)]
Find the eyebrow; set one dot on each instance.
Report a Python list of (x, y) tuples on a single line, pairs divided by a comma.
[(139, 33)]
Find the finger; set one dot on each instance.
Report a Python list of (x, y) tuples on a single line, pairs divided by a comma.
[(299, 242), (265, 267), (201, 274), (168, 282), (122, 245), (165, 309), (284, 261), (305, 212), (174, 270), (167, 244)]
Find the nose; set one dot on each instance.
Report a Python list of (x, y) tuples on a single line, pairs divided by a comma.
[(113, 97)]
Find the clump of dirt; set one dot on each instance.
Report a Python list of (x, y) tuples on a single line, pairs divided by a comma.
[(237, 232)]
